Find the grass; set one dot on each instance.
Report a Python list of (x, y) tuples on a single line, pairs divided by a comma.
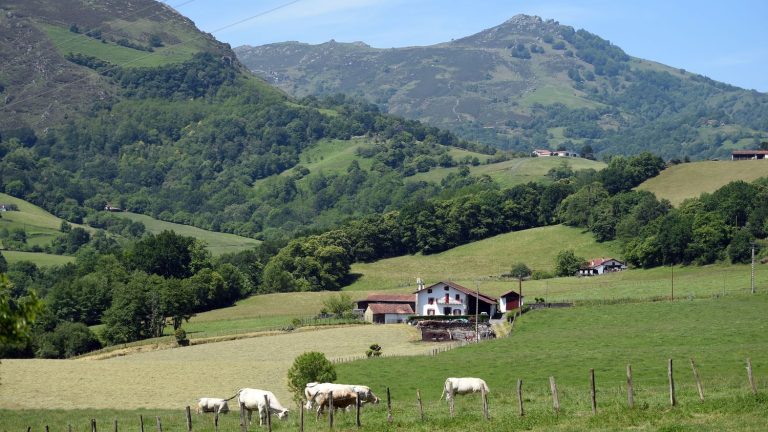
[(514, 171), (692, 179), (41, 259), (68, 42), (333, 156), (218, 243), (483, 259), (562, 343), (174, 378)]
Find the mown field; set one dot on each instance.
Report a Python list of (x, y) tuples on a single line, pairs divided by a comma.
[(690, 180), (218, 243), (174, 378), (514, 171), (563, 343)]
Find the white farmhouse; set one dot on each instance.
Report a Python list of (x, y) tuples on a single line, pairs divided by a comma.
[(598, 266), (448, 298)]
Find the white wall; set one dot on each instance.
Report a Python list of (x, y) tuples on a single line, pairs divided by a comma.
[(438, 293)]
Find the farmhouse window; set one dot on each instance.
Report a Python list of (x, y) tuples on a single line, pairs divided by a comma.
[(431, 300), (447, 299), (430, 312), (457, 311), (429, 290), (446, 288), (458, 297)]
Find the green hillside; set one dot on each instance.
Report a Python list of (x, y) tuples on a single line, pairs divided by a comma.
[(690, 180), (529, 83), (217, 243), (515, 171)]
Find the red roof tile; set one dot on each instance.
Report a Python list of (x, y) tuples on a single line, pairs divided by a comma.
[(387, 308)]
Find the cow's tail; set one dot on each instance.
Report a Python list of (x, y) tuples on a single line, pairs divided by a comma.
[(234, 395)]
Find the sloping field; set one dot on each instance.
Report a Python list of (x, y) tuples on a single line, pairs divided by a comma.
[(480, 260), (41, 259), (174, 378), (690, 180), (218, 243), (515, 171)]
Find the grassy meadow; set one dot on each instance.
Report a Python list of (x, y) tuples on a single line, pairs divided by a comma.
[(218, 243), (563, 343), (514, 171), (690, 180)]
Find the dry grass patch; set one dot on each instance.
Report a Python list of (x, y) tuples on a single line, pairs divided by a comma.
[(174, 378)]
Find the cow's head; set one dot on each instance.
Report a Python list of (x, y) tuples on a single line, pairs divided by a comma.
[(282, 414)]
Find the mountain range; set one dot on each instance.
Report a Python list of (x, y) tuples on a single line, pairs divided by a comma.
[(529, 83)]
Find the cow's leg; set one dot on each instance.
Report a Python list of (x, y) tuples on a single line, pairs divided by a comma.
[(249, 415), (262, 415)]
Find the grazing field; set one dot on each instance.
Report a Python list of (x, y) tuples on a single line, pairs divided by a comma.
[(479, 260), (40, 259), (174, 378), (690, 180), (718, 333), (218, 243), (333, 156), (41, 226), (515, 171)]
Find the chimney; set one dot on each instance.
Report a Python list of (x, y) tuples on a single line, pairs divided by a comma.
[(419, 284)]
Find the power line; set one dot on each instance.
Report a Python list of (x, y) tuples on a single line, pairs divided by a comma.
[(120, 65)]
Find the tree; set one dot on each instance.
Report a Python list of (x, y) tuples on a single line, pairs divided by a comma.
[(520, 271), (339, 304), (16, 315), (309, 367), (567, 263), (740, 249), (166, 254)]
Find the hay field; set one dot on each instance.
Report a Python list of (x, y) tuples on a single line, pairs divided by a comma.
[(692, 179), (174, 378)]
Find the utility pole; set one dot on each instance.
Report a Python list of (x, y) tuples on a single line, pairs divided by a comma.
[(752, 280), (673, 281), (477, 311)]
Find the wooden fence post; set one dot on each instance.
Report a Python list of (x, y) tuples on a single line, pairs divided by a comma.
[(269, 413), (69, 427), (671, 377), (93, 425), (159, 424), (450, 405), (301, 417), (330, 409), (243, 426), (141, 423), (630, 388), (520, 397), (189, 419), (115, 425), (357, 410), (421, 406), (698, 380), (484, 395), (592, 392), (389, 407), (555, 399), (751, 377), (47, 429)]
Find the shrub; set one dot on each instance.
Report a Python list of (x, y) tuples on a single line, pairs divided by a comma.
[(373, 351), (309, 367), (181, 337)]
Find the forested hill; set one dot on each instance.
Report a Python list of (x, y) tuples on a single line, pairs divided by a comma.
[(127, 103), (530, 83)]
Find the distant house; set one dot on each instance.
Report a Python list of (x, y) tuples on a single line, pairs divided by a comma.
[(561, 153), (598, 266), (565, 153), (749, 154), (8, 207), (510, 300), (382, 313), (449, 298), (407, 299), (541, 153), (112, 208)]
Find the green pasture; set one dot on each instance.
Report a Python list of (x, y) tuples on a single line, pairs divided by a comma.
[(218, 243), (514, 171), (332, 156), (482, 260), (690, 180), (41, 259), (68, 42), (41, 226)]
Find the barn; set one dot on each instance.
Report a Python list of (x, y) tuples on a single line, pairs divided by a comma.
[(383, 313), (510, 300)]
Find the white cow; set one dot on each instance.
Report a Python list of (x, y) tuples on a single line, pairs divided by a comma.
[(207, 404), (344, 398), (314, 389), (253, 399), (462, 386)]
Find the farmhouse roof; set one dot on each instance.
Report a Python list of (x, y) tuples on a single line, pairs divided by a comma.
[(389, 308), (595, 262), (511, 293), (749, 152), (402, 298), (467, 291)]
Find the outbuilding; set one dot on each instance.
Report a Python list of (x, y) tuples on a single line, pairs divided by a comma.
[(384, 313)]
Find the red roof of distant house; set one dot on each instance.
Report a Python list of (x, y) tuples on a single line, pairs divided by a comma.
[(483, 297), (390, 298), (516, 295), (594, 262), (388, 308)]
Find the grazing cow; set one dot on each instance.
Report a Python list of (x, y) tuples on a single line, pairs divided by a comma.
[(207, 404), (462, 386), (253, 399), (344, 396), (313, 389)]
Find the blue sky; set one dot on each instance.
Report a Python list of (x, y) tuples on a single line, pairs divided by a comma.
[(726, 41)]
